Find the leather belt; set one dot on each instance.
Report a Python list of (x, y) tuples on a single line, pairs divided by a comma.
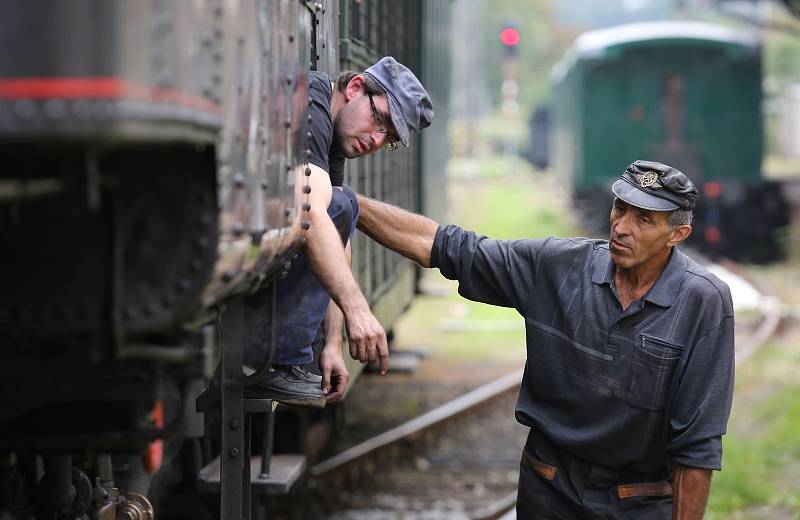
[(639, 489), (644, 489), (546, 471)]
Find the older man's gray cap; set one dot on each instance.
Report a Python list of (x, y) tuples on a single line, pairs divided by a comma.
[(410, 107), (655, 186)]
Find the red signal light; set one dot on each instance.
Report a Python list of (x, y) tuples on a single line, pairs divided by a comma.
[(509, 36)]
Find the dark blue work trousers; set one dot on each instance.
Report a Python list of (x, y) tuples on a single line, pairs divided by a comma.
[(555, 485), (302, 300)]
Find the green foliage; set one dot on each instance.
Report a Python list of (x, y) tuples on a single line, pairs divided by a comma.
[(502, 199), (755, 466), (781, 63)]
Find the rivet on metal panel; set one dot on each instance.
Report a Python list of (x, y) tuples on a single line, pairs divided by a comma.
[(310, 100), (308, 134), (25, 109), (82, 109), (287, 123), (309, 118), (305, 225), (289, 167), (264, 185), (308, 171), (288, 80), (306, 189), (291, 37), (318, 6), (55, 109), (234, 452), (205, 219), (306, 207), (287, 212), (196, 265), (234, 424), (308, 153), (238, 180), (206, 40)]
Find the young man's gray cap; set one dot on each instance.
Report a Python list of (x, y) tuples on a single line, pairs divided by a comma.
[(655, 186), (410, 107)]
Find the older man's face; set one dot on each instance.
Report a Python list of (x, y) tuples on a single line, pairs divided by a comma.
[(637, 235)]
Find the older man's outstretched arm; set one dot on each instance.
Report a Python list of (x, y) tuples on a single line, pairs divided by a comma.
[(407, 233)]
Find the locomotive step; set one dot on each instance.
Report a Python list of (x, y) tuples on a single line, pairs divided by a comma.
[(284, 472), (209, 401)]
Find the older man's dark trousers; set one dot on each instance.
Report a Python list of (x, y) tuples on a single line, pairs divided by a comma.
[(556, 485)]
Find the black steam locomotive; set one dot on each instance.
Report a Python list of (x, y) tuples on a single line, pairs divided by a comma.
[(152, 153)]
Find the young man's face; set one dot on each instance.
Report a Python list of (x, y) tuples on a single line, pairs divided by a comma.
[(639, 235), (363, 124)]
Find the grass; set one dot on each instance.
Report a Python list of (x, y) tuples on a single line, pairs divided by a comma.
[(761, 463), (505, 200)]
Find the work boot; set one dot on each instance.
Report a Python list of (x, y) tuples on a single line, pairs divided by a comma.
[(288, 384)]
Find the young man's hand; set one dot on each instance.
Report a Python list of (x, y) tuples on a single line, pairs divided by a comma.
[(367, 338), (334, 372)]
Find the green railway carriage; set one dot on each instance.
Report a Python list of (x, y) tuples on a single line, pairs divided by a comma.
[(684, 93)]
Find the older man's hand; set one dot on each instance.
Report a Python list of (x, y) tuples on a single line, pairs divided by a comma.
[(334, 371)]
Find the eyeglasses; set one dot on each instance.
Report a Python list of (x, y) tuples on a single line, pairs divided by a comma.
[(383, 126)]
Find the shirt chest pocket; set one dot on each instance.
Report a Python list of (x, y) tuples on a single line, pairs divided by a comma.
[(653, 363)]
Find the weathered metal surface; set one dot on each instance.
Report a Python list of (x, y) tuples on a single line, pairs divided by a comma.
[(188, 120)]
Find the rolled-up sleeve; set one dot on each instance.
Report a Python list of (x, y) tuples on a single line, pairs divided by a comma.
[(702, 403), (497, 272)]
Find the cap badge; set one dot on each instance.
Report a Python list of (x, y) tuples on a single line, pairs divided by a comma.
[(649, 180)]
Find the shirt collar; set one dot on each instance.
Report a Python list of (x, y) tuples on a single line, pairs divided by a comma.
[(663, 292), (603, 266)]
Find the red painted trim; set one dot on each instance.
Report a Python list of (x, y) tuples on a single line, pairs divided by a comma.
[(100, 88)]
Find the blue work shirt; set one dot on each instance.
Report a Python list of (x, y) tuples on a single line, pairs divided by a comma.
[(637, 389)]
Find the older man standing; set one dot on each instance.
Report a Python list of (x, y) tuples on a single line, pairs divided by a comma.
[(629, 378)]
